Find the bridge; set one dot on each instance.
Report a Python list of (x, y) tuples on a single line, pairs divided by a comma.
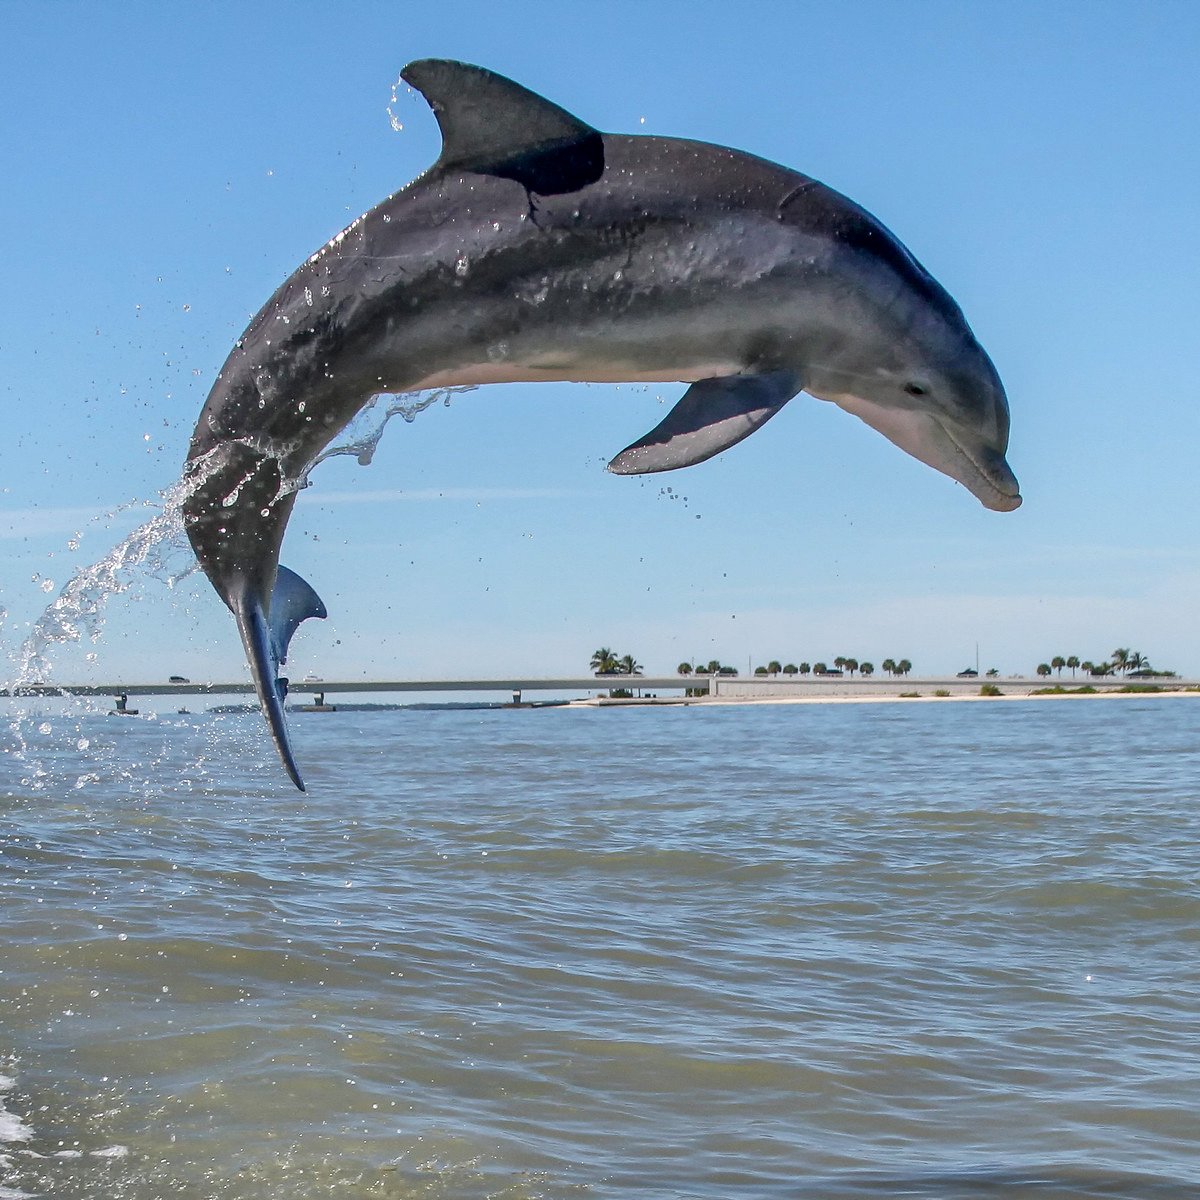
[(570, 683)]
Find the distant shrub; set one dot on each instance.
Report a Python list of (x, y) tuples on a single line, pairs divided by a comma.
[(941, 692), (990, 689)]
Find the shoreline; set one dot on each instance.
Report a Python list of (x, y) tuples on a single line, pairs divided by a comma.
[(879, 698)]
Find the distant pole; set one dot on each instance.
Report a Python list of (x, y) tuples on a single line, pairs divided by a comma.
[(976, 658)]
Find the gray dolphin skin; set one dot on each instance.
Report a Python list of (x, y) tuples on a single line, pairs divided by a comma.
[(537, 248)]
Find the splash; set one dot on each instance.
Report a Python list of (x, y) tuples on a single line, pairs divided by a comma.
[(406, 405), (77, 611), (158, 548)]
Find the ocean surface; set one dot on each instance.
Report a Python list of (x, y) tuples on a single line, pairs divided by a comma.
[(817, 951)]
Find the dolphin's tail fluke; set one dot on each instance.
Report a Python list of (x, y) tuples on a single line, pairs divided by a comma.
[(265, 638)]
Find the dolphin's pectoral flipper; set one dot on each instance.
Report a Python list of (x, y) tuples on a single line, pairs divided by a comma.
[(713, 415), (292, 601), (493, 126)]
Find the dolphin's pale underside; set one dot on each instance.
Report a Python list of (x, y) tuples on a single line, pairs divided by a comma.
[(537, 248)]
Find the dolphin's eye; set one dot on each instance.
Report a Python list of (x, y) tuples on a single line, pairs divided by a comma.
[(916, 389)]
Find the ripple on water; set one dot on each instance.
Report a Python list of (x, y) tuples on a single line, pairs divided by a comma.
[(931, 951)]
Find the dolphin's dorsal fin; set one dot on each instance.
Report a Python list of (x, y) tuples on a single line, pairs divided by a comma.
[(713, 415), (492, 125)]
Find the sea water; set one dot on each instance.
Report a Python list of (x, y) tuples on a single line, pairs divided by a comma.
[(916, 949)]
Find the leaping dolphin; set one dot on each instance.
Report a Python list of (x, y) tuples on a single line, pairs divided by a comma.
[(537, 248)]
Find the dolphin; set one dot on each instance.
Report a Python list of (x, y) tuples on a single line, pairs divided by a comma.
[(537, 248)]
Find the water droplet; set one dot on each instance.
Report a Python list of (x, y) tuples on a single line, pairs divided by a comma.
[(82, 744), (45, 727), (47, 585), (394, 120), (462, 264)]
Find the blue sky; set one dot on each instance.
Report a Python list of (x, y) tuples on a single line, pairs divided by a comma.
[(169, 165)]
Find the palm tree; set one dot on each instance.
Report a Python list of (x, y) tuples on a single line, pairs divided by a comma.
[(820, 668), (1136, 661), (852, 665), (1120, 660), (1043, 669), (1058, 662), (760, 671), (889, 665), (774, 667), (839, 662), (627, 666), (866, 669), (1089, 667), (1072, 662), (683, 669), (804, 668), (790, 669), (714, 667), (604, 661), (903, 667)]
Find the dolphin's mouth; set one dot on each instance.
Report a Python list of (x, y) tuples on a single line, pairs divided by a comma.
[(983, 471), (993, 484)]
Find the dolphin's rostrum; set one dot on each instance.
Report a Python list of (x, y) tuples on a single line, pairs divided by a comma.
[(537, 248)]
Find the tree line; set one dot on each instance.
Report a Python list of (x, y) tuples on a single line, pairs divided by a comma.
[(1122, 661), (841, 664)]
